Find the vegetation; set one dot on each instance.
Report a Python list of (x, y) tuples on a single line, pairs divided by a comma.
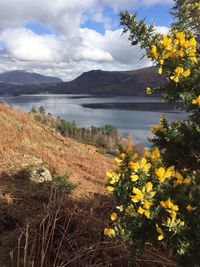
[(106, 137), (158, 195)]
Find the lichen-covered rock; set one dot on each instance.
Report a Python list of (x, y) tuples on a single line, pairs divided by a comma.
[(37, 171), (40, 174)]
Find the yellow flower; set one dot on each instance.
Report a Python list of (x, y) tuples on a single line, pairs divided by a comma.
[(134, 177), (138, 195), (147, 154), (154, 51), (187, 180), (171, 223), (179, 70), (148, 91), (160, 232), (129, 149), (193, 59), (186, 73), (176, 79), (118, 161), (172, 214), (160, 71), (156, 128), (180, 36), (164, 174), (180, 53), (122, 155), (193, 42), (179, 178), (114, 177), (196, 101), (168, 204), (135, 156), (161, 61), (141, 165), (148, 189), (147, 204), (166, 41), (109, 232), (113, 216), (190, 208), (110, 188), (143, 211), (155, 154), (176, 41)]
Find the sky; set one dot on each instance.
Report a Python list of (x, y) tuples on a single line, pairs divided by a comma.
[(64, 38)]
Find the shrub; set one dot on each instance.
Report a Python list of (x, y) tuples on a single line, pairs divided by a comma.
[(155, 203), (158, 195)]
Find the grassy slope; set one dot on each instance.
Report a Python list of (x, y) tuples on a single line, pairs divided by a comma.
[(26, 208), (22, 138)]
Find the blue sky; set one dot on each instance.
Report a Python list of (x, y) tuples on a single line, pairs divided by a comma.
[(65, 38), (156, 13)]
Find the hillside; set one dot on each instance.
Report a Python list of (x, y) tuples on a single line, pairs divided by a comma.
[(24, 77), (116, 82), (44, 224), (96, 82), (22, 140), (68, 227)]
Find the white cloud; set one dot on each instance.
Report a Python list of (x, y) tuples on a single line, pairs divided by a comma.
[(72, 49), (23, 44), (162, 29)]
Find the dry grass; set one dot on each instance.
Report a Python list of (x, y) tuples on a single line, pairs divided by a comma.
[(38, 229), (22, 138)]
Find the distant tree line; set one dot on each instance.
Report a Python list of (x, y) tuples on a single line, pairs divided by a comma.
[(106, 137)]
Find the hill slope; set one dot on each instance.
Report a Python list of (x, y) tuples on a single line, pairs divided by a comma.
[(22, 139), (97, 82), (115, 82), (24, 77)]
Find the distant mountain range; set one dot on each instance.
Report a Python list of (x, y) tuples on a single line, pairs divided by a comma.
[(95, 82), (24, 77)]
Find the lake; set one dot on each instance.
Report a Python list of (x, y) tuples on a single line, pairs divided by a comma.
[(131, 115)]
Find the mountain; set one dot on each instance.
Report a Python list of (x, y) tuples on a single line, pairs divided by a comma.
[(100, 82), (95, 82), (24, 77)]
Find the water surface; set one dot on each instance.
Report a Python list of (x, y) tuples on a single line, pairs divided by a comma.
[(88, 110)]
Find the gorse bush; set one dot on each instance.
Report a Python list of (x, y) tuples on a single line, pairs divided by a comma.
[(158, 195), (154, 203)]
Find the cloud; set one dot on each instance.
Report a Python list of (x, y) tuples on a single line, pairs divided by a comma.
[(23, 44), (71, 49)]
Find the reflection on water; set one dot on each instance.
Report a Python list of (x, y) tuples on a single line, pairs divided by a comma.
[(69, 107)]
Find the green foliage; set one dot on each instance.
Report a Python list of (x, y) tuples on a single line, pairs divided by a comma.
[(34, 110), (179, 143), (155, 203), (158, 196), (62, 186), (42, 109), (106, 137)]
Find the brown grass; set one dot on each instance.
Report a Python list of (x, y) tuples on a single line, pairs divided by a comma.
[(22, 138), (39, 230)]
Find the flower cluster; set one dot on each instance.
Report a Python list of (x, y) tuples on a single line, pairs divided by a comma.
[(196, 101), (175, 46), (140, 187)]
